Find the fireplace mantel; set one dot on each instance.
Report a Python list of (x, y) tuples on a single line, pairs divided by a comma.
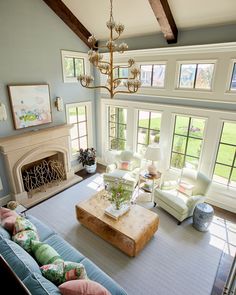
[(25, 148)]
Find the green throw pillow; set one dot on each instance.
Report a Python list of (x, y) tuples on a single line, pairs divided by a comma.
[(24, 238), (64, 271), (44, 253)]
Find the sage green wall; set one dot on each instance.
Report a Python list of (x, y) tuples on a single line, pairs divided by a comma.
[(31, 37)]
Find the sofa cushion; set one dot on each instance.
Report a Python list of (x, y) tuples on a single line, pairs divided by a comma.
[(38, 285), (96, 274), (44, 253), (83, 287), (174, 199), (64, 271), (4, 233), (65, 250), (44, 231), (18, 259)]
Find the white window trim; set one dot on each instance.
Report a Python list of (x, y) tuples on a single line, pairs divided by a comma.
[(75, 54), (229, 76), (177, 75), (88, 105), (220, 194)]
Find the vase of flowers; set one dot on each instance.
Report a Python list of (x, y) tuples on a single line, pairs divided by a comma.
[(118, 194), (87, 157)]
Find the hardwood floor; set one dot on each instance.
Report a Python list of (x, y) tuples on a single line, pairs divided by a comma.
[(225, 261)]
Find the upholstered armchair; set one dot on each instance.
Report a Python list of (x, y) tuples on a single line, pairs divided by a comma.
[(179, 197), (126, 166)]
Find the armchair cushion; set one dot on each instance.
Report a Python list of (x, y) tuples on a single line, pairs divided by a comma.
[(174, 199)]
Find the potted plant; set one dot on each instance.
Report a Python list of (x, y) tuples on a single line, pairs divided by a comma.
[(88, 159)]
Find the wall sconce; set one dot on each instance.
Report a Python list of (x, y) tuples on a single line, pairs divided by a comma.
[(3, 112), (59, 104)]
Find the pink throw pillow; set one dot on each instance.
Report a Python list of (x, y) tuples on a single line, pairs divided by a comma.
[(124, 165), (8, 219), (83, 287)]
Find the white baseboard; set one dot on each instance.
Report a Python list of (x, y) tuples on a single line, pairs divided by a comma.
[(101, 161), (221, 205), (4, 200)]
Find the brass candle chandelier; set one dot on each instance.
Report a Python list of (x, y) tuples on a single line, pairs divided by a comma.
[(131, 83)]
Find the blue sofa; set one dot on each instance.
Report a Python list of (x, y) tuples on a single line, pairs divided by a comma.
[(27, 269)]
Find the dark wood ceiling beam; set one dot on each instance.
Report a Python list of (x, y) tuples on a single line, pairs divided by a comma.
[(165, 19), (70, 19)]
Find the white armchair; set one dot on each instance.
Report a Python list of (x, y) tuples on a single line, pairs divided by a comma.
[(180, 198), (126, 166)]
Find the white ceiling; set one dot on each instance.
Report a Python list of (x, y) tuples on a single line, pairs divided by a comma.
[(139, 19)]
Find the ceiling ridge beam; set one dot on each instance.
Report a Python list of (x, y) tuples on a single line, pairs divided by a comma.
[(165, 19), (69, 19)]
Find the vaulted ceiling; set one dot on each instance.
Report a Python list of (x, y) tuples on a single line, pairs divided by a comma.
[(145, 17)]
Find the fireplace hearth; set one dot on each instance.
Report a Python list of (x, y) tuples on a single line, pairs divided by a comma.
[(38, 164)]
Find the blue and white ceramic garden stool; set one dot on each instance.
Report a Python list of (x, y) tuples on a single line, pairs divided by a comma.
[(202, 216)]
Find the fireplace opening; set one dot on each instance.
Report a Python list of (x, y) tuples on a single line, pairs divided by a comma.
[(43, 173)]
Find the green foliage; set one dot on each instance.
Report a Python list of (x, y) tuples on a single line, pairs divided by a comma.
[(117, 193), (87, 156)]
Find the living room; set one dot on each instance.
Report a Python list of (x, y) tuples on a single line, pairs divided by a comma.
[(191, 117)]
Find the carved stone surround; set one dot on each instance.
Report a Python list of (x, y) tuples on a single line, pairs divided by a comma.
[(23, 149)]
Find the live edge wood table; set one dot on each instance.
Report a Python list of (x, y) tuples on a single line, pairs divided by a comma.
[(129, 233)]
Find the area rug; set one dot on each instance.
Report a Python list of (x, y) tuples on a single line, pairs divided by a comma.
[(178, 260)]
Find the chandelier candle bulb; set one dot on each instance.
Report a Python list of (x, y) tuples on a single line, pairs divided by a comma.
[(132, 82)]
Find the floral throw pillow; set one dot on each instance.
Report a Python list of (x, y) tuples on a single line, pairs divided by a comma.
[(24, 238), (63, 271), (24, 232), (23, 224), (44, 253)]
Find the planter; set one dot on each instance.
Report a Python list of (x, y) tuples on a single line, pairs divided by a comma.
[(91, 168)]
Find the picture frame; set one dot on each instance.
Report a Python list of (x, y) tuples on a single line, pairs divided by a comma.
[(30, 104)]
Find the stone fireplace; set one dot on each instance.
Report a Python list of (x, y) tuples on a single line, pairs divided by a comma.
[(32, 152)]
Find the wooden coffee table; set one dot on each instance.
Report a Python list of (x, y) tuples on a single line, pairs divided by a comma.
[(130, 233)]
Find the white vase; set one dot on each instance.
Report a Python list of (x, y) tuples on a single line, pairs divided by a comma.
[(91, 168)]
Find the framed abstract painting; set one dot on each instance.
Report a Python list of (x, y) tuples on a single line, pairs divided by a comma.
[(30, 105)]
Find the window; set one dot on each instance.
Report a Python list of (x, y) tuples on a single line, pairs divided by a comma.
[(148, 129), (187, 142), (196, 76), (74, 64), (78, 114), (74, 67), (233, 79), (117, 126), (225, 165), (153, 75)]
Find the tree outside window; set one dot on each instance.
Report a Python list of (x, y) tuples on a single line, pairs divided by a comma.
[(225, 165), (187, 142)]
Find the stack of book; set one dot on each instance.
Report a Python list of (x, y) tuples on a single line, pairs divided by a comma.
[(114, 213)]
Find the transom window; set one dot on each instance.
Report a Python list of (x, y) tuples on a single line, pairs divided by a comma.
[(117, 125), (74, 67), (233, 78), (153, 75), (73, 64), (187, 142), (148, 129), (196, 76), (77, 115), (225, 165)]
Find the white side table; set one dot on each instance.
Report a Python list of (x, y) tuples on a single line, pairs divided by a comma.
[(146, 197)]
